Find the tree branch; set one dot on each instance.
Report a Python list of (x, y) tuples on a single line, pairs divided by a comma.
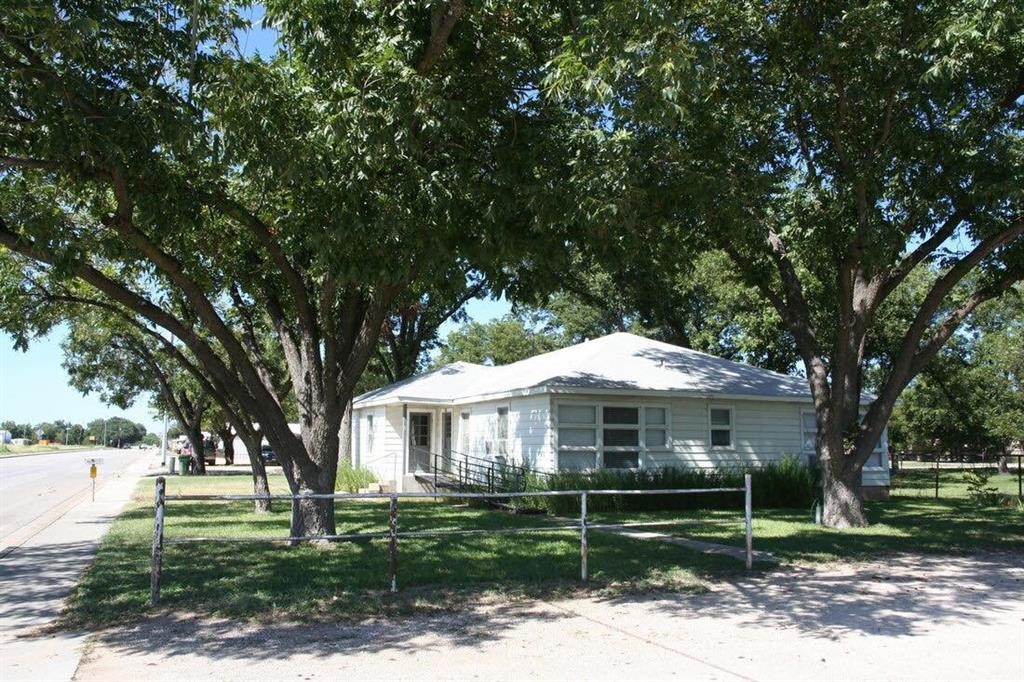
[(443, 16), (22, 162), (296, 284), (143, 307), (895, 276)]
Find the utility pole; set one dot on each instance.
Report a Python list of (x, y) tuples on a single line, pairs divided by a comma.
[(105, 432)]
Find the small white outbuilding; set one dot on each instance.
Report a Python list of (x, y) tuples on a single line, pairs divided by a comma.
[(618, 402)]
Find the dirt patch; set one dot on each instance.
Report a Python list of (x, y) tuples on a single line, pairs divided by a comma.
[(908, 617)]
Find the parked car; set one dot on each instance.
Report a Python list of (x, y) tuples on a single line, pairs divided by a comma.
[(268, 455)]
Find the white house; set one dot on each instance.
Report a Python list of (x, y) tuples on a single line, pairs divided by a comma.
[(620, 402)]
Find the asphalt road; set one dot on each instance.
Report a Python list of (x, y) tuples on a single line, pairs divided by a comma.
[(35, 487)]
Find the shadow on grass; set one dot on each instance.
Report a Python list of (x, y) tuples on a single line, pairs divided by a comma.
[(898, 597), (261, 580), (290, 587)]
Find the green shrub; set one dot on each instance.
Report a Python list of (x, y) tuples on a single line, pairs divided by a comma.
[(978, 489), (786, 483), (350, 479)]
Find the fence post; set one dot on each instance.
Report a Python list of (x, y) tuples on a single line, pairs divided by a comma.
[(435, 472), (584, 549), (393, 543), (748, 519), (157, 560), (490, 478), (936, 476)]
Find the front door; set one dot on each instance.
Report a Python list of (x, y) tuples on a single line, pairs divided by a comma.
[(419, 441)]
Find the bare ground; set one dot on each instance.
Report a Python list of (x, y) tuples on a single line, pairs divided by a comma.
[(905, 618)]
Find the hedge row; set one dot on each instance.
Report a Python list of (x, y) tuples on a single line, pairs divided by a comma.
[(785, 483)]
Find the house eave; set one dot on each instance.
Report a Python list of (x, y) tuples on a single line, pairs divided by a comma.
[(577, 390)]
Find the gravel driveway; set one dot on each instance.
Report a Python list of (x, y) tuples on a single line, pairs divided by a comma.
[(906, 618)]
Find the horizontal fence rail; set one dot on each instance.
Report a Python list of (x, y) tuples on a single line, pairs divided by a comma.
[(904, 462), (393, 533), (446, 495)]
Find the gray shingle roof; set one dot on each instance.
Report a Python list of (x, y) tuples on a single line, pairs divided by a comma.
[(615, 362)]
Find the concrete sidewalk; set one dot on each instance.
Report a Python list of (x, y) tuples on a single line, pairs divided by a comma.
[(903, 617), (37, 577)]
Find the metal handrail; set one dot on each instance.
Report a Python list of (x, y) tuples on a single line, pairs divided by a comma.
[(476, 472)]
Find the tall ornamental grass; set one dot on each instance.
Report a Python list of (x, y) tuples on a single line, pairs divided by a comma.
[(351, 478), (785, 483)]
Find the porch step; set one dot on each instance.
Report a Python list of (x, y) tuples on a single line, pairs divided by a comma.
[(434, 482)]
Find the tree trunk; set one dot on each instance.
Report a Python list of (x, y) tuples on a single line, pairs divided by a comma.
[(345, 443), (1004, 464), (843, 497), (195, 437), (227, 439), (312, 518), (260, 486), (313, 475)]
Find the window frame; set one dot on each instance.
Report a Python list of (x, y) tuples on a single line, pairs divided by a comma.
[(881, 449), (717, 427), (369, 434), (501, 422), (811, 455), (598, 426), (618, 426), (803, 432), (464, 432), (667, 447)]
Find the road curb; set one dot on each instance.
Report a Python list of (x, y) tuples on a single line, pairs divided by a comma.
[(52, 452)]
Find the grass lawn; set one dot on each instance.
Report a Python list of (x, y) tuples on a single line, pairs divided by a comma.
[(911, 521), (921, 483), (899, 525), (263, 580), (8, 450)]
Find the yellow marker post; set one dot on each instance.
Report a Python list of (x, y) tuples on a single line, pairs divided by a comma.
[(93, 472)]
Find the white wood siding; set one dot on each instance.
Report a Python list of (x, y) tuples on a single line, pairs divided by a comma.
[(385, 460), (763, 431), (529, 429), (483, 428)]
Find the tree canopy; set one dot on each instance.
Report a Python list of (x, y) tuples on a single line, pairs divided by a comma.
[(209, 192), (270, 212), (970, 399), (498, 342), (830, 151)]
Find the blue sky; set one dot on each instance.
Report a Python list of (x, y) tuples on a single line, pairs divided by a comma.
[(34, 387)]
